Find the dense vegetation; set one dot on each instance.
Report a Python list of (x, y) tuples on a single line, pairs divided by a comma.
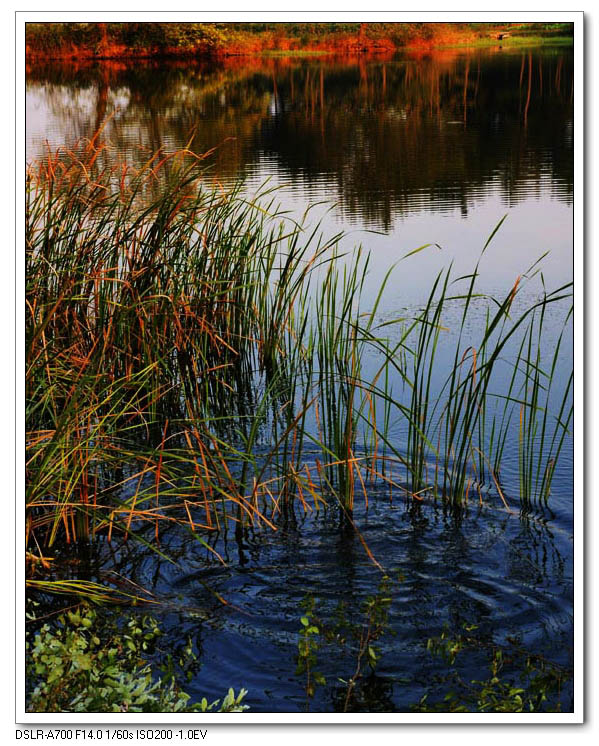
[(198, 359), (84, 662), (213, 39)]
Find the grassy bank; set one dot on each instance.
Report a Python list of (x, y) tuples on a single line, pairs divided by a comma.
[(121, 40)]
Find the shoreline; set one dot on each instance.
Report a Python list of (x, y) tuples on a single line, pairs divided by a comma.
[(130, 55), (269, 45)]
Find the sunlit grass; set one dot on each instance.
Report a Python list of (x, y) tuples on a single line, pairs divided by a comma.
[(513, 41)]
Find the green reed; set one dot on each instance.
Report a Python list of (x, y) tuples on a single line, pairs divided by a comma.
[(197, 358), (456, 435)]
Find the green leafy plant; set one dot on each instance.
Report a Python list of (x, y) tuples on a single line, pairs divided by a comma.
[(355, 638), (518, 680), (83, 665), (308, 646), (375, 611)]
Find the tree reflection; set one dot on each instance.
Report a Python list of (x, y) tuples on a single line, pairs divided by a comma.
[(386, 136)]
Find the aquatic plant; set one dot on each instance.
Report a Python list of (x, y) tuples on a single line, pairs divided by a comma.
[(81, 664), (308, 647), (357, 639), (195, 357), (519, 680), (456, 433)]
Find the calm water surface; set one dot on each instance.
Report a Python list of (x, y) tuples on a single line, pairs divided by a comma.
[(397, 153)]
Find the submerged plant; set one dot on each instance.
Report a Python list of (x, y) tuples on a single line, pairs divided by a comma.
[(308, 647), (518, 681), (357, 639)]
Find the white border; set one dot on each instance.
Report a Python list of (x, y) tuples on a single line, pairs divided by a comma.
[(252, 718)]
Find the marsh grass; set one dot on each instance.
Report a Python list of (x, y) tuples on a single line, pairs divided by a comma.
[(194, 357)]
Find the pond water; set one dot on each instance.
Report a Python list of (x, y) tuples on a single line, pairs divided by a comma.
[(396, 152)]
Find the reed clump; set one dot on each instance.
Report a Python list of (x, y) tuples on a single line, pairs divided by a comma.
[(199, 358)]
